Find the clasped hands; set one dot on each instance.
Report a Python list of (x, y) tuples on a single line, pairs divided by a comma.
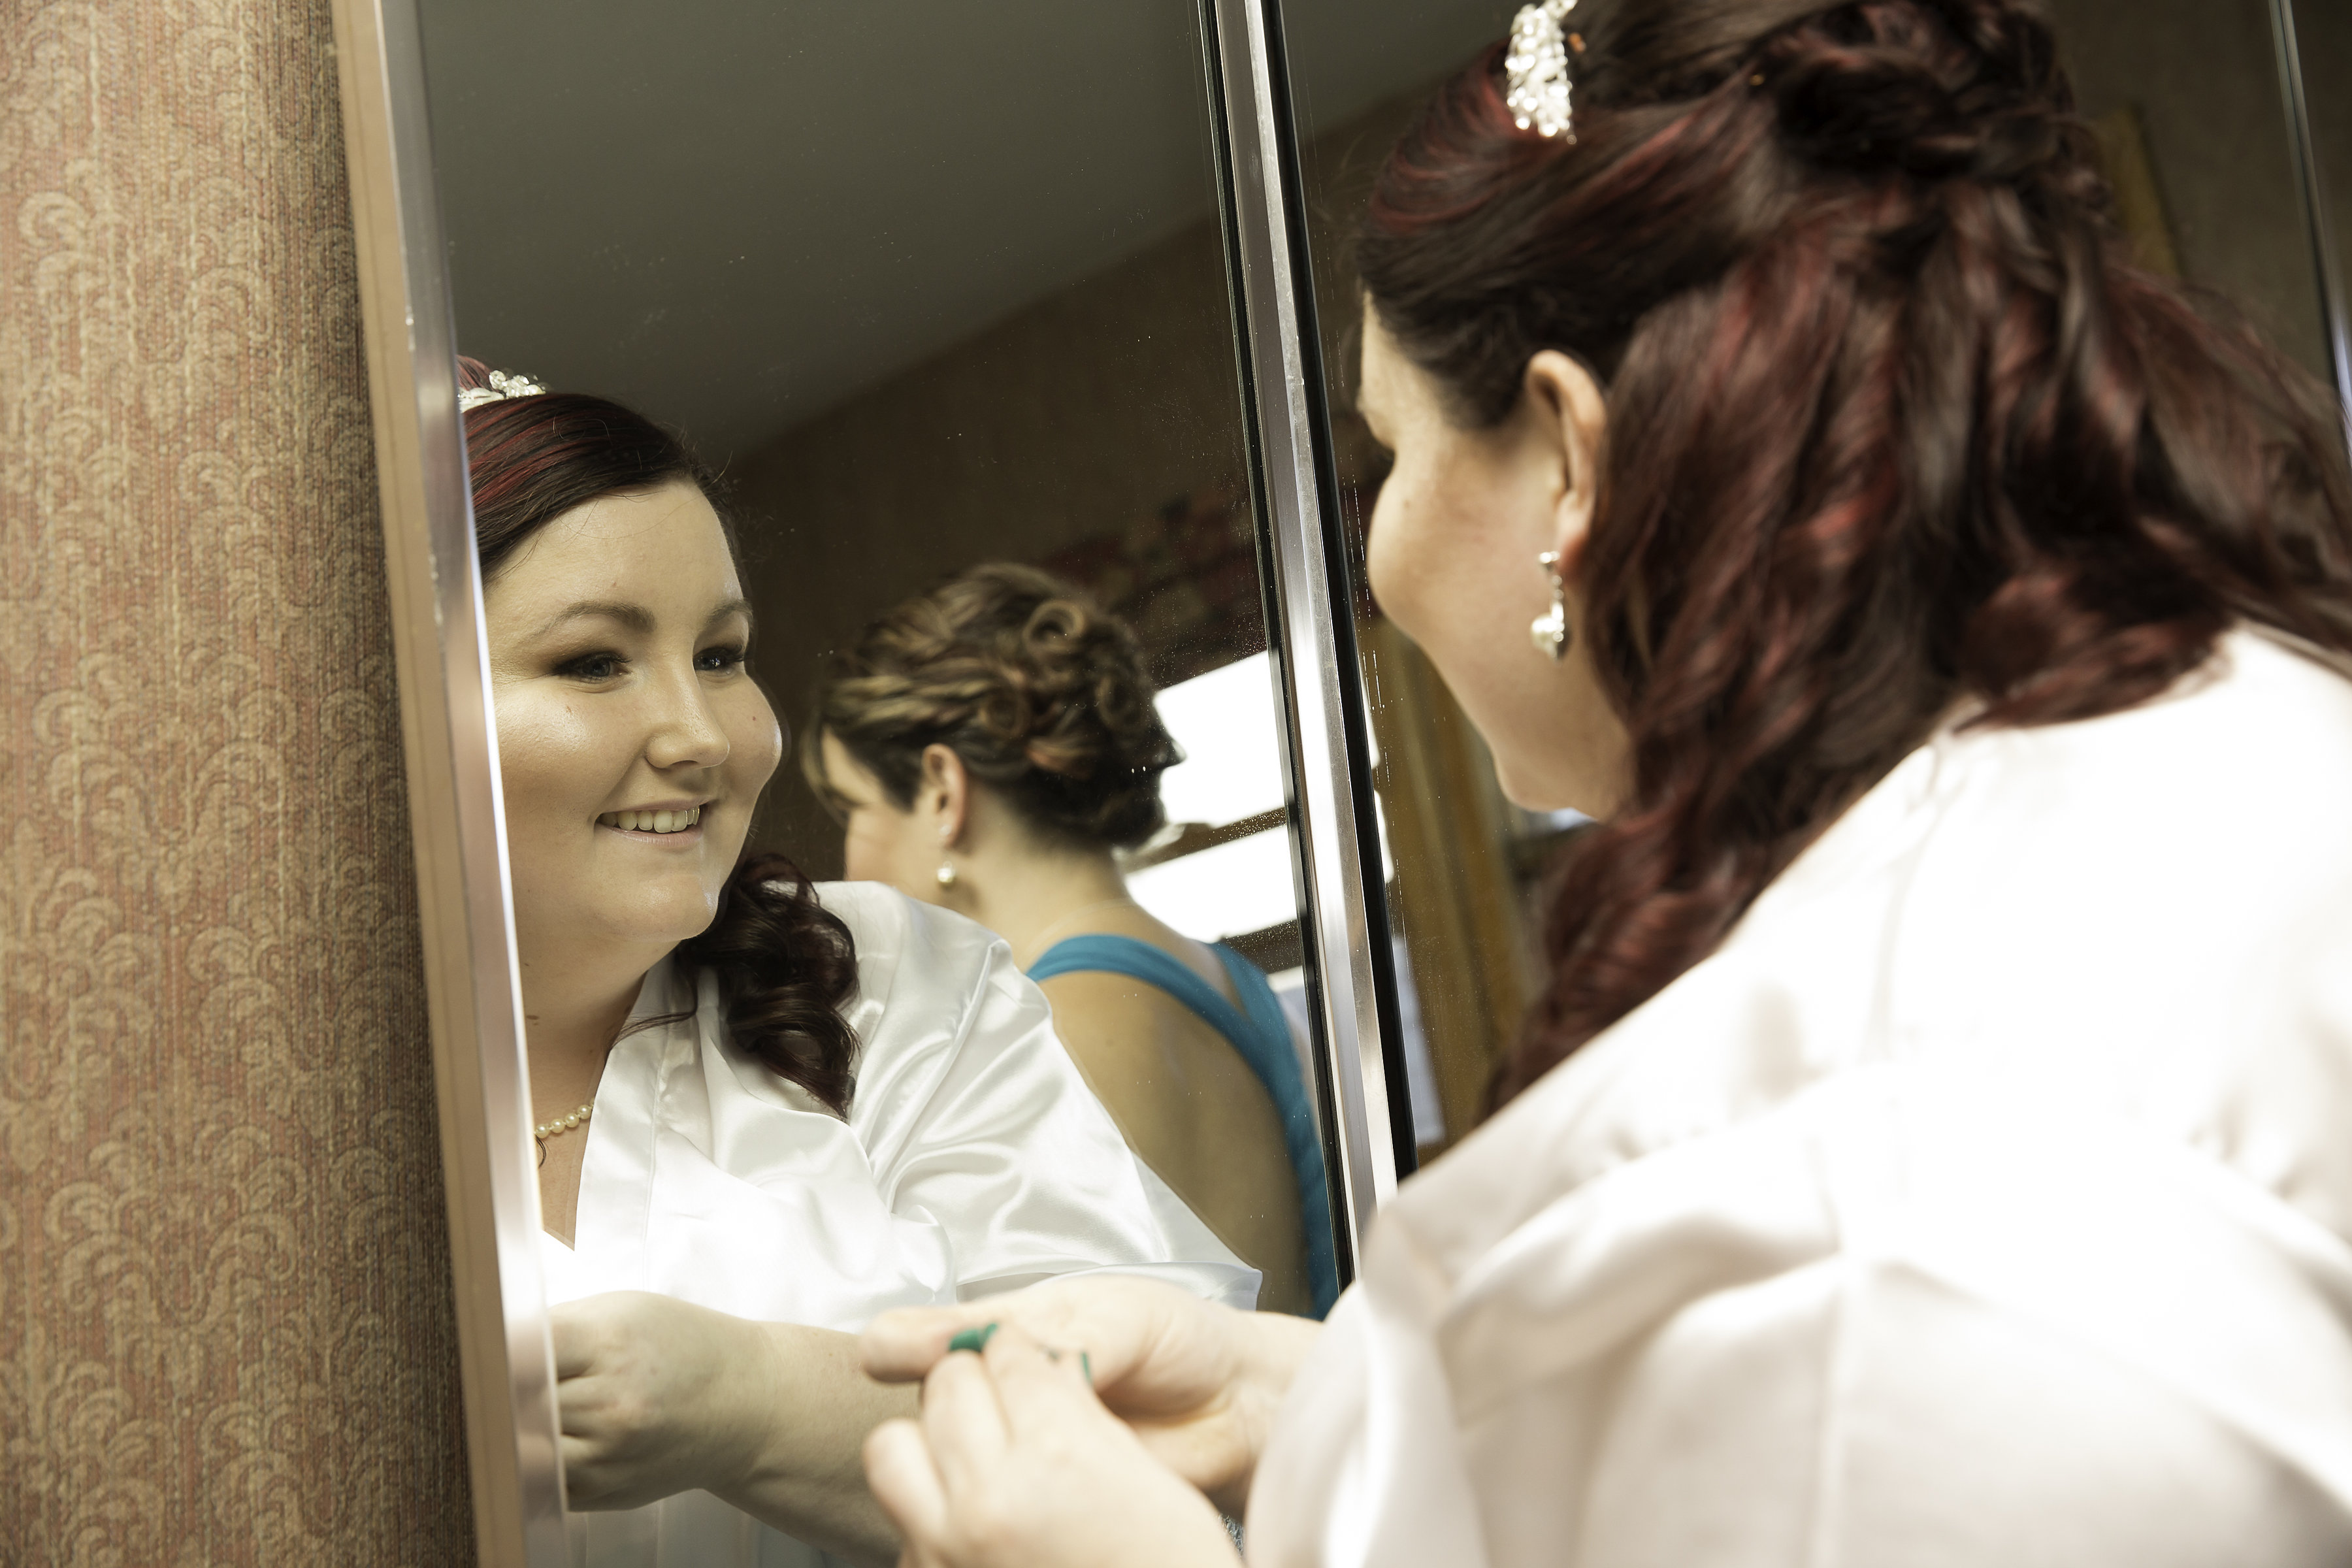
[(1018, 1461), (1015, 1457)]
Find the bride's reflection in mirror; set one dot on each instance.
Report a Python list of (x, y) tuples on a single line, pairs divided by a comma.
[(991, 746), (766, 1109)]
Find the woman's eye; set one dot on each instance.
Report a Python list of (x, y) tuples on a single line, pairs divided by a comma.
[(593, 667), (719, 660)]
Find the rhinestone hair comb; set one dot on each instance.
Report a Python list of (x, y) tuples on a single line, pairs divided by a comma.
[(502, 387), (1536, 69)]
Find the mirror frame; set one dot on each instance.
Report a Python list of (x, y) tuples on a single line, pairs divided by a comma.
[(464, 895), (455, 811), (1342, 896)]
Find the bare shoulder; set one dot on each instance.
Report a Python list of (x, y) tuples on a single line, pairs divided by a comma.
[(1110, 1016), (1121, 1035)]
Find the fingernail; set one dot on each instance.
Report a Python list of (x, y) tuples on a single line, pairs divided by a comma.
[(975, 1340), (1086, 1365)]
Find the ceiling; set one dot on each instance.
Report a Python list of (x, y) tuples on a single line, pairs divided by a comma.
[(734, 216)]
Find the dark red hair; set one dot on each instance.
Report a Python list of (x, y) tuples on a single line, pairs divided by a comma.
[(785, 967), (1894, 424)]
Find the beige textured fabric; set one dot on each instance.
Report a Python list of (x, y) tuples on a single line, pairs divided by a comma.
[(224, 1327)]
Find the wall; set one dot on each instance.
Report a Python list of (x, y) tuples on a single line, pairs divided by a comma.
[(224, 1325), (1098, 409)]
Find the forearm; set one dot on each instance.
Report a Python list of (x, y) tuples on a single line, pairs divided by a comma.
[(804, 1421)]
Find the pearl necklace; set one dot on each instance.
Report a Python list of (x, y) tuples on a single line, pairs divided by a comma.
[(563, 1123)]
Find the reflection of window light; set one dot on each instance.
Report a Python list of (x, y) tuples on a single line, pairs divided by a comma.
[(1227, 890), (1225, 721), (1420, 1072), (1290, 989)]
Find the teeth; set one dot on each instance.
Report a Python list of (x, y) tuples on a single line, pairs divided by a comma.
[(653, 821)]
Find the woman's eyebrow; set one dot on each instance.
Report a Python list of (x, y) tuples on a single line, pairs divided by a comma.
[(635, 617)]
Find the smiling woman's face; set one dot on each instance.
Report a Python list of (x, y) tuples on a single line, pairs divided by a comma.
[(633, 739)]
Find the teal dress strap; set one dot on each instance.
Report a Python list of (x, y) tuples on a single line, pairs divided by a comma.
[(1260, 1031)]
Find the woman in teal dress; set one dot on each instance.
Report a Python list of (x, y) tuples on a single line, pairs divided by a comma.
[(989, 747)]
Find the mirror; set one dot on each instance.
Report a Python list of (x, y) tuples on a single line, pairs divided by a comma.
[(861, 473)]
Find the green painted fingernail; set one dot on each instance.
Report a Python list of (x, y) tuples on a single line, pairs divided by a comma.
[(1086, 1365), (972, 1339)]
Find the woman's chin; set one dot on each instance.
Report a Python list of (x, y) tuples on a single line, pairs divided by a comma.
[(661, 917)]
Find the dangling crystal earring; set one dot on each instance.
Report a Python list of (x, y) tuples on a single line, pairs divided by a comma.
[(947, 874), (1550, 631)]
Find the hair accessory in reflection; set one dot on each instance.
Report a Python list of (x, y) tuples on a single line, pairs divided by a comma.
[(502, 387), (1536, 69), (1550, 631)]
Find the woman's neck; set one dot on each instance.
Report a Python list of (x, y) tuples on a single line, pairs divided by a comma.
[(575, 1001), (1033, 898)]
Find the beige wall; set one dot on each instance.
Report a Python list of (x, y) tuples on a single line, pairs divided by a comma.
[(224, 1324), (1077, 417)]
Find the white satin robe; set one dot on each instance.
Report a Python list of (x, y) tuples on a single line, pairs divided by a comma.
[(1982, 1203), (975, 1160)]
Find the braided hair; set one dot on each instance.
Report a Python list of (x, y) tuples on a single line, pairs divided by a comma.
[(1043, 696)]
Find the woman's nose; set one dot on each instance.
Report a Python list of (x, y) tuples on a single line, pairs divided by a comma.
[(688, 733)]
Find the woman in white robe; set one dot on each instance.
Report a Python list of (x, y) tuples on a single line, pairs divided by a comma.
[(765, 1112), (1943, 1162), (974, 1161)]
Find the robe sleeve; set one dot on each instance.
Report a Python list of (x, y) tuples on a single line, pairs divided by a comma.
[(974, 1118)]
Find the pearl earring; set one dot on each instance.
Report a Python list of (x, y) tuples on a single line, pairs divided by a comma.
[(947, 874), (1550, 631)]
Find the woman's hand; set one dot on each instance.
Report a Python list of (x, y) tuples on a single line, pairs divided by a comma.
[(1198, 1384), (655, 1396), (1016, 1464)]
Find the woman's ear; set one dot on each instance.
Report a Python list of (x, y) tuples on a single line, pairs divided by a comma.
[(946, 792), (1566, 401)]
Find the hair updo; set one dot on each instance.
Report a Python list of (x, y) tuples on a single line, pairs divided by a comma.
[(785, 967), (1042, 695), (1894, 424)]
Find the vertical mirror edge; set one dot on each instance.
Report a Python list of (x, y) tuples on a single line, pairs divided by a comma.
[(464, 908), (1344, 918), (1340, 572)]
